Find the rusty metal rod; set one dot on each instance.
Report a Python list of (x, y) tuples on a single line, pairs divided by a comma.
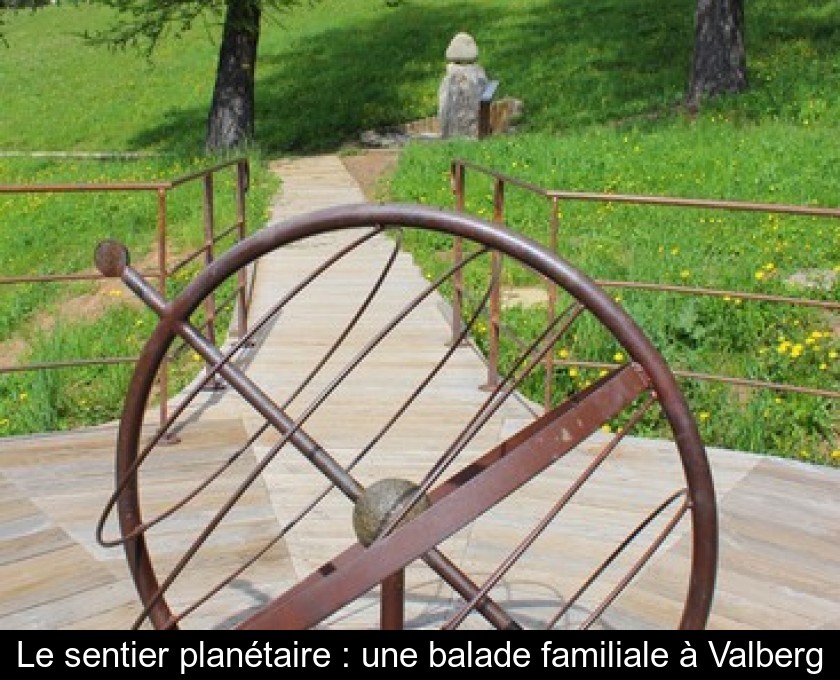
[(455, 503), (163, 429), (651, 549), (392, 601), (713, 204), (178, 266), (506, 564), (291, 433), (106, 361), (614, 555), (258, 399), (714, 377), (58, 278), (221, 235), (529, 358), (715, 292), (242, 180)]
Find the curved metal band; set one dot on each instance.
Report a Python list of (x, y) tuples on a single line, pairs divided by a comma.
[(525, 250)]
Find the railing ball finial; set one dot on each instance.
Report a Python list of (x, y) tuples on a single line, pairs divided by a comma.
[(111, 258)]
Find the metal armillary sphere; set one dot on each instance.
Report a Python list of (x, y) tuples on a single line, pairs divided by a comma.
[(401, 520)]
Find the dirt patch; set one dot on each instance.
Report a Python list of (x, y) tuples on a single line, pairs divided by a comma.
[(371, 169), (88, 306), (10, 350), (524, 297)]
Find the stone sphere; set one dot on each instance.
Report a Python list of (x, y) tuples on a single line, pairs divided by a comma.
[(462, 49), (382, 501)]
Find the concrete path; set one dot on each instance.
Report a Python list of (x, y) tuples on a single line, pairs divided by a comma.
[(780, 542)]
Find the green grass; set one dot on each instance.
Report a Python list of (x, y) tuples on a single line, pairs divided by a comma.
[(602, 84), (55, 233), (775, 144)]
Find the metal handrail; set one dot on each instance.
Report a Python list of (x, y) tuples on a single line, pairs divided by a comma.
[(553, 197), (164, 271)]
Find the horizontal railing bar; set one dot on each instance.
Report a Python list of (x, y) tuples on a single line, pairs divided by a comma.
[(227, 232), (758, 384), (57, 278), (458, 166), (741, 295), (711, 377), (705, 203), (227, 299), (161, 189), (713, 204), (185, 261), (510, 332), (67, 364), (183, 179), (507, 179)]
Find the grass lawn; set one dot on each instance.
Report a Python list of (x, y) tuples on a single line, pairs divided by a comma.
[(602, 84)]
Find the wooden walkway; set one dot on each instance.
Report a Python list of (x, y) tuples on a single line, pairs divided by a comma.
[(780, 520)]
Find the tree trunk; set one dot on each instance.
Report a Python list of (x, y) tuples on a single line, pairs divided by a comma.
[(719, 65), (231, 119)]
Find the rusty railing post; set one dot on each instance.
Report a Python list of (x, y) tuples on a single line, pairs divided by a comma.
[(209, 256), (494, 327), (163, 374), (209, 238), (548, 391), (242, 178), (458, 188), (392, 602)]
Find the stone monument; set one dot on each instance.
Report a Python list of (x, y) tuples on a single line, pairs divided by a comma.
[(459, 96)]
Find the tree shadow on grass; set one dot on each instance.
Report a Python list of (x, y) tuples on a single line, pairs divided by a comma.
[(572, 63)]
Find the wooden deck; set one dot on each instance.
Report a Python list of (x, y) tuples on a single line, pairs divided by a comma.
[(780, 520)]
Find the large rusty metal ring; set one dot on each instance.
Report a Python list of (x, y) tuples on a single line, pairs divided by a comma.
[(410, 522)]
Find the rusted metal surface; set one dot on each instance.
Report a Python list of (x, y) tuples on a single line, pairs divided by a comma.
[(164, 271), (470, 488), (292, 431), (505, 566), (393, 601)]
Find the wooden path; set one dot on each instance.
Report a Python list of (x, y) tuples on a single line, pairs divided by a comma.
[(780, 520)]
